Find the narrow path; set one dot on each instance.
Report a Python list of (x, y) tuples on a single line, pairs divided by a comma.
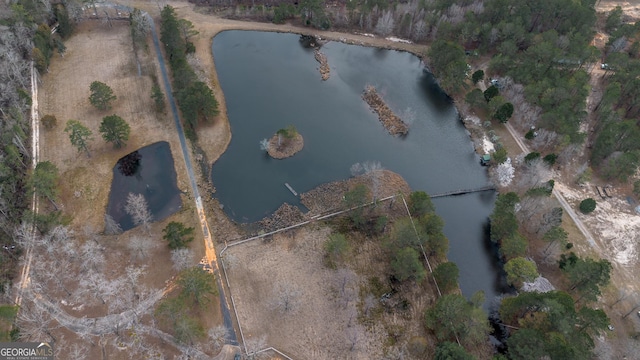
[(208, 241), (35, 156), (565, 205)]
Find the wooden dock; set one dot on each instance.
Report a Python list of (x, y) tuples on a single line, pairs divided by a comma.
[(291, 189), (463, 191)]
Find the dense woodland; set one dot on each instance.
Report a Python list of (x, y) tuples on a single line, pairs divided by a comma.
[(25, 36)]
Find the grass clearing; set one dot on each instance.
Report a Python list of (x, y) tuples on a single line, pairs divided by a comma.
[(7, 316)]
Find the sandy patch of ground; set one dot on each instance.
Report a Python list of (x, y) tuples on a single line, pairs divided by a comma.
[(630, 8), (320, 324), (614, 223)]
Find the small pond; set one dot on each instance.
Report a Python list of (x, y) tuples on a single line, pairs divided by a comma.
[(149, 171)]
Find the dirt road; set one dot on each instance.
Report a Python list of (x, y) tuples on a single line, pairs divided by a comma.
[(557, 194)]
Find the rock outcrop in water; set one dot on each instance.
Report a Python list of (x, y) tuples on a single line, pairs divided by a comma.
[(390, 121), (325, 71)]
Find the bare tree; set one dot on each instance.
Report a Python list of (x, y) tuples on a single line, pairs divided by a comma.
[(371, 170), (532, 174), (396, 353), (346, 286), (217, 337), (59, 277), (369, 303), (192, 352), (95, 284), (111, 227), (24, 235), (253, 345), (545, 139), (286, 298), (182, 258), (385, 23), (92, 256), (420, 31), (622, 295), (132, 291), (140, 23), (138, 208), (230, 260), (78, 351), (35, 323), (530, 210), (140, 247), (60, 234), (153, 353), (618, 45), (353, 335)]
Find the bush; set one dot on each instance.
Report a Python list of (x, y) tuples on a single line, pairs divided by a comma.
[(477, 76), (420, 204), (530, 135), (49, 121), (282, 13), (177, 235), (418, 346), (636, 187), (336, 249), (491, 92), (406, 265), (101, 95), (476, 99), (190, 47), (550, 159), (587, 205), (500, 155), (446, 275), (504, 112), (531, 157)]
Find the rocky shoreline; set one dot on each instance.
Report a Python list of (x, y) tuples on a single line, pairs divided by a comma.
[(287, 148), (328, 197), (390, 121), (324, 69)]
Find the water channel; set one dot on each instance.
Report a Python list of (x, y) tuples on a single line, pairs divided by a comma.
[(270, 80)]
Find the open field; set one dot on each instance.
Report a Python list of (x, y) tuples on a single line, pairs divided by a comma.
[(320, 322), (97, 52)]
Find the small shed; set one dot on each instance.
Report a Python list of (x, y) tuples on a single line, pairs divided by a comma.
[(485, 160)]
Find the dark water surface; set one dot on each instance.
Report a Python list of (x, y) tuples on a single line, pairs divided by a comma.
[(154, 176), (270, 81)]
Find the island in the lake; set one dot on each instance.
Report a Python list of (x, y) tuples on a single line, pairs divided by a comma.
[(284, 143), (390, 121)]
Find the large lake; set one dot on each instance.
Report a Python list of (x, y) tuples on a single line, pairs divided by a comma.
[(270, 80)]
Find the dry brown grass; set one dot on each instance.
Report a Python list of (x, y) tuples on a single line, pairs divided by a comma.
[(317, 327), (97, 52)]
